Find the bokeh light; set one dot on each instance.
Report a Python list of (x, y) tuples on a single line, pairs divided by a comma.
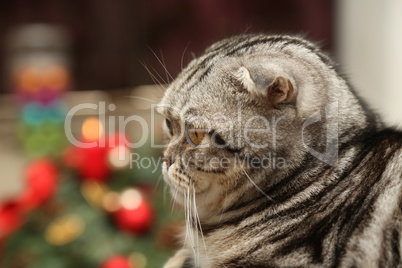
[(92, 129)]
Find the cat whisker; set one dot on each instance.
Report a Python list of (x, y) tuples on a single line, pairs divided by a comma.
[(198, 224), (153, 77), (158, 97), (256, 186), (165, 192), (223, 206), (174, 199), (195, 224), (160, 77), (169, 77), (186, 215), (142, 98), (187, 236), (189, 231), (182, 55), (165, 187), (163, 65)]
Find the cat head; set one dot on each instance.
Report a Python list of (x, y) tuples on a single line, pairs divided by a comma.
[(235, 117)]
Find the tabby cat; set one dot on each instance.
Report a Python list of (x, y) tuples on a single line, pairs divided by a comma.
[(278, 163)]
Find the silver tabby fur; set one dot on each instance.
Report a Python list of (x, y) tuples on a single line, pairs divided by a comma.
[(306, 211)]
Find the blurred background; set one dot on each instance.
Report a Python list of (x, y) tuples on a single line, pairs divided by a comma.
[(90, 69)]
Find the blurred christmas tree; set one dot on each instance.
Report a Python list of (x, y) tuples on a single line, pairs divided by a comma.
[(81, 207), (89, 210)]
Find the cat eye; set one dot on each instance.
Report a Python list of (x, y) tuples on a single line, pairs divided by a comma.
[(194, 135), (217, 140), (169, 126)]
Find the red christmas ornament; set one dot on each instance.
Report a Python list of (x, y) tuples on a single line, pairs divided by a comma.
[(10, 219), (41, 178), (117, 262), (135, 215), (93, 163)]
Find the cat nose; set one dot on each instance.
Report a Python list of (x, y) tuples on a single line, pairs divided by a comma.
[(168, 161)]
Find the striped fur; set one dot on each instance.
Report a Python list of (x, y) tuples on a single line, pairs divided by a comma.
[(300, 209)]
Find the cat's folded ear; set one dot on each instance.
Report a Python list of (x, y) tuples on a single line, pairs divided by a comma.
[(269, 83)]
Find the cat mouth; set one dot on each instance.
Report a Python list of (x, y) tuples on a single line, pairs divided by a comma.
[(214, 171)]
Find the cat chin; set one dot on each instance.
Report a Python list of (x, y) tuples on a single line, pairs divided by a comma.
[(209, 202), (179, 181), (206, 199)]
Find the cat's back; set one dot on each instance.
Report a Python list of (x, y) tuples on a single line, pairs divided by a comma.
[(377, 240)]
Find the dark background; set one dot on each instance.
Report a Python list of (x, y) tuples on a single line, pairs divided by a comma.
[(113, 39)]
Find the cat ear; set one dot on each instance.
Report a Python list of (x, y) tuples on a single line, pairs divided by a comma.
[(264, 82)]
